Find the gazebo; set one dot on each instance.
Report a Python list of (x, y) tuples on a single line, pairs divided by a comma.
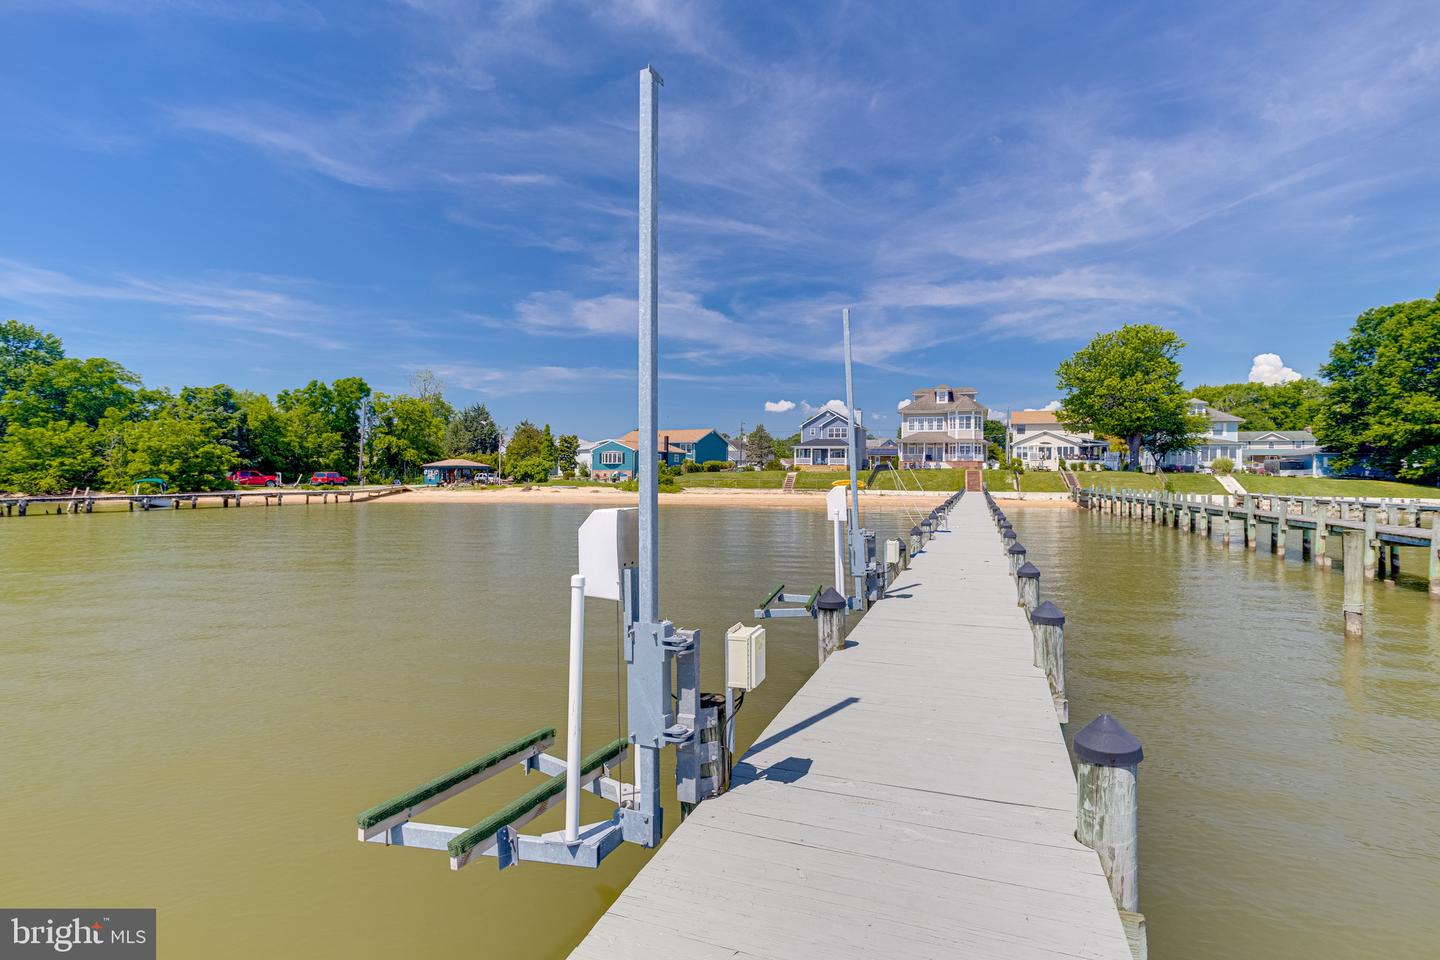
[(450, 471)]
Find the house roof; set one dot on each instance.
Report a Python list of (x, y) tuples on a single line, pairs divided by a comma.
[(687, 435), (1215, 415), (831, 442), (1033, 417), (618, 443), (1253, 435), (964, 403), (457, 462)]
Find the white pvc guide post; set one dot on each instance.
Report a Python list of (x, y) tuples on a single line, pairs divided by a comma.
[(577, 693)]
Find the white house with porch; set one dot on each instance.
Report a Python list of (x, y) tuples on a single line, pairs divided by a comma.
[(942, 427), (1220, 439), (1041, 443)]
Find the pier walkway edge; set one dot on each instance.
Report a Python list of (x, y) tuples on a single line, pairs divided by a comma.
[(914, 799)]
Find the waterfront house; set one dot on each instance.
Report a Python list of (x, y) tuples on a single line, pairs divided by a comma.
[(882, 451), (824, 440), (942, 427), (1041, 442), (698, 445), (1221, 438), (1289, 453), (456, 470)]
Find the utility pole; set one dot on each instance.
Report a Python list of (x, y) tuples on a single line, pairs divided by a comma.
[(364, 436), (857, 549), (741, 448), (650, 708)]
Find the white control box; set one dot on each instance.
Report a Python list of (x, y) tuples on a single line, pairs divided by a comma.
[(744, 657), (892, 551), (609, 542)]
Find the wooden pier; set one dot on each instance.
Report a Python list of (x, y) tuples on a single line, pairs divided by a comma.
[(20, 505), (1381, 526), (914, 799)]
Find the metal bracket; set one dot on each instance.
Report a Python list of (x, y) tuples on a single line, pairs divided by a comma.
[(507, 844)]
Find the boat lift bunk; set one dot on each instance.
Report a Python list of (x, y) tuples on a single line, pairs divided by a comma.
[(608, 554)]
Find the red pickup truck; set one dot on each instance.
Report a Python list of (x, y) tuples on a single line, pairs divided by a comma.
[(322, 477), (253, 478)]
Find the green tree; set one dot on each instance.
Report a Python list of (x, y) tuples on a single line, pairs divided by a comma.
[(471, 432), (1282, 406), (182, 452), (566, 448), (75, 391), (759, 445), (1127, 384), (333, 409), (23, 347), (1383, 400), (408, 432), (994, 439), (527, 441), (529, 470), (53, 457)]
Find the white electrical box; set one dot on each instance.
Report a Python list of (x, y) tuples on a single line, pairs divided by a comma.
[(744, 657), (892, 551), (609, 542), (836, 506)]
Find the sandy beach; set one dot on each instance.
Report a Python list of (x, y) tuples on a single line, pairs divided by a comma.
[(702, 497), (708, 497)]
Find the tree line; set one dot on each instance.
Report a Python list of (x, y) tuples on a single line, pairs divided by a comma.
[(1377, 402), (72, 424)]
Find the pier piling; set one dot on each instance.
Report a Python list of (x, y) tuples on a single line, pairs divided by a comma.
[(1354, 553), (1027, 586), (1107, 810), (1047, 624), (830, 622)]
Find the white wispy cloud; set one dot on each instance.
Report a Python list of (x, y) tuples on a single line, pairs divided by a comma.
[(779, 406)]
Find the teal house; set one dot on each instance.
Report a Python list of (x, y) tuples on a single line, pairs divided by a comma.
[(616, 459)]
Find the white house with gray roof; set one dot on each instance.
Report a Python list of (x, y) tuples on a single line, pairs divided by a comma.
[(942, 426), (1220, 439)]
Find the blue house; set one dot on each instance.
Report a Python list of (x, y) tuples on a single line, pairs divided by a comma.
[(612, 460), (824, 441), (698, 445)]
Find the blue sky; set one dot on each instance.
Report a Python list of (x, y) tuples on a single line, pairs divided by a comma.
[(263, 192)]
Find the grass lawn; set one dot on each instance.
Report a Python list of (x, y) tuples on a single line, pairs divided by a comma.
[(1129, 480), (1032, 481), (939, 481), (1333, 487)]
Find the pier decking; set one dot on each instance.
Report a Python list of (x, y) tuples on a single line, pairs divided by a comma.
[(914, 799), (19, 504)]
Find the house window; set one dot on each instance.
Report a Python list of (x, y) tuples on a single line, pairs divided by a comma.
[(942, 396), (835, 433), (611, 458)]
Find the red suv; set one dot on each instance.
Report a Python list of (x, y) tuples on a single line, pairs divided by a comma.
[(322, 477), (253, 478)]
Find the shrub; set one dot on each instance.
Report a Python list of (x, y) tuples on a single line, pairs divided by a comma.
[(775, 464), (1222, 465), (715, 466), (583, 472), (531, 470), (690, 466)]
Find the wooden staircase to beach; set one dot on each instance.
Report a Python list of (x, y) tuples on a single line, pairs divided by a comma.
[(974, 480), (789, 486)]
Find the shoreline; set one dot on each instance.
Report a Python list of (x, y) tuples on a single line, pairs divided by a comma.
[(710, 497), (702, 497)]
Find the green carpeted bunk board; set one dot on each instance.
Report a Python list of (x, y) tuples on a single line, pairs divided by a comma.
[(445, 781), (486, 829)]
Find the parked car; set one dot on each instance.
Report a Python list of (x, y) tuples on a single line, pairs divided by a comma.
[(322, 477), (253, 478)]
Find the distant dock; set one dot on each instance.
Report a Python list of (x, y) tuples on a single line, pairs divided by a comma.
[(20, 505), (914, 799)]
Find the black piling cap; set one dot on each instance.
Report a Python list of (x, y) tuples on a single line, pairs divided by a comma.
[(916, 531), (1047, 615), (1105, 743), (1017, 549), (830, 599), (1028, 571)]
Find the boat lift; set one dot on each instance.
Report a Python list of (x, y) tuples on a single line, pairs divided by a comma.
[(618, 561)]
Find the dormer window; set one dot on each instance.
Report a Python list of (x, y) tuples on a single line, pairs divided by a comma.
[(942, 396)]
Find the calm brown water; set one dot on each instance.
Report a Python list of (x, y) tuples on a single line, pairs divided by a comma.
[(195, 705), (1290, 795)]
